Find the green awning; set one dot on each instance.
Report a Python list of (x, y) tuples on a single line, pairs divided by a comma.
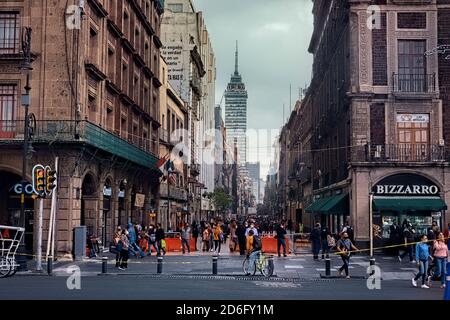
[(315, 206), (409, 203), (336, 204)]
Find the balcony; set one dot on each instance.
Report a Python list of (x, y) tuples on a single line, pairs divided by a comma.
[(403, 152), (11, 132), (414, 84)]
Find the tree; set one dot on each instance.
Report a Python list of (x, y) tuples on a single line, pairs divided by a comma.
[(221, 199)]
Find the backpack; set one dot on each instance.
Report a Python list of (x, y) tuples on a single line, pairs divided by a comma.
[(257, 243)]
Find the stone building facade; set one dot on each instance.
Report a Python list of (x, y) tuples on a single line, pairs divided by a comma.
[(95, 100), (378, 116)]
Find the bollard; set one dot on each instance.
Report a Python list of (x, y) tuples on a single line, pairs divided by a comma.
[(159, 265), (447, 283), (50, 265), (214, 264), (104, 265), (327, 267), (372, 263)]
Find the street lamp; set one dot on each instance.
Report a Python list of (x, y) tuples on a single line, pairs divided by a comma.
[(26, 100)]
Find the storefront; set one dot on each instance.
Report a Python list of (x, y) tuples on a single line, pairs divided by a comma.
[(330, 210), (406, 197)]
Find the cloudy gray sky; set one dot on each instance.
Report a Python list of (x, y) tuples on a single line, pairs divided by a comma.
[(273, 40)]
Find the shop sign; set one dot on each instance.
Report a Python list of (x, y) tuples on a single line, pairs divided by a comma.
[(139, 202), (107, 191), (406, 185), (415, 118)]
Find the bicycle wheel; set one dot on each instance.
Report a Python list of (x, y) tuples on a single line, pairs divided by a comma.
[(266, 268), (5, 267)]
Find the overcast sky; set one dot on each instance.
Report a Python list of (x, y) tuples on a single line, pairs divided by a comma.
[(273, 40)]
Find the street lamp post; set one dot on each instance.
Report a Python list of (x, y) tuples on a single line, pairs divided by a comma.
[(371, 222), (26, 99)]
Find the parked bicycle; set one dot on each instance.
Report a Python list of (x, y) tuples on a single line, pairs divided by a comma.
[(10, 238), (263, 263)]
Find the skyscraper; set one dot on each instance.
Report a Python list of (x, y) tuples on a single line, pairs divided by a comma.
[(236, 112)]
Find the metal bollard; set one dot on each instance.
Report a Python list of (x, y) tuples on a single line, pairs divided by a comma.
[(159, 265), (50, 265), (104, 265), (327, 267), (372, 263), (214, 264)]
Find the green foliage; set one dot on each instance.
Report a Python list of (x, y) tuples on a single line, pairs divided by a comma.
[(221, 199)]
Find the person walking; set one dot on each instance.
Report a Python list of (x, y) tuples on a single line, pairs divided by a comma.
[(133, 238), (159, 237), (281, 239), (315, 241), (125, 245), (195, 232), (205, 238), (186, 237), (324, 237), (217, 241), (117, 244), (344, 247), (422, 256), (440, 256), (240, 233), (408, 239), (394, 237), (152, 239), (233, 236)]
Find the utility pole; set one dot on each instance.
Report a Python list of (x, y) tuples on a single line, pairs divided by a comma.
[(26, 101)]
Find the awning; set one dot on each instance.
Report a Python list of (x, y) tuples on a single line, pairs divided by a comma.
[(409, 203), (315, 206), (336, 204)]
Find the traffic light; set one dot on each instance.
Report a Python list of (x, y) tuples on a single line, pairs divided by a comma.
[(51, 180), (40, 182)]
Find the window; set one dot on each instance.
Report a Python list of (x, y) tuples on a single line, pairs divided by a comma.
[(413, 137), (8, 108), (126, 23), (93, 45), (175, 7), (9, 32), (411, 65), (125, 77), (111, 63), (109, 118)]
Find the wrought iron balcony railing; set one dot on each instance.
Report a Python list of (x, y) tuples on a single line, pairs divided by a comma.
[(414, 83), (137, 149), (403, 152)]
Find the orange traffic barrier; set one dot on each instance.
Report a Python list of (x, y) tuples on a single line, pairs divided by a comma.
[(173, 244), (269, 245)]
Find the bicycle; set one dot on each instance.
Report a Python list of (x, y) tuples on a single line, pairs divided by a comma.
[(8, 248), (261, 263)]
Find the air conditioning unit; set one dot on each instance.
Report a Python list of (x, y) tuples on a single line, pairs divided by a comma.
[(377, 154)]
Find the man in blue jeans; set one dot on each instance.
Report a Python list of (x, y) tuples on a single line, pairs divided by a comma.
[(133, 245)]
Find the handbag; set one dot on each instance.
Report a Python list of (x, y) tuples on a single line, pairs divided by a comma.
[(119, 246), (163, 244)]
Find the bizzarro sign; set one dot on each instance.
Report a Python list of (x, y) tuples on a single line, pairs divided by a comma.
[(406, 185)]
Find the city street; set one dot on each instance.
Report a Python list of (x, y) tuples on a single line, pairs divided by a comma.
[(190, 277)]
